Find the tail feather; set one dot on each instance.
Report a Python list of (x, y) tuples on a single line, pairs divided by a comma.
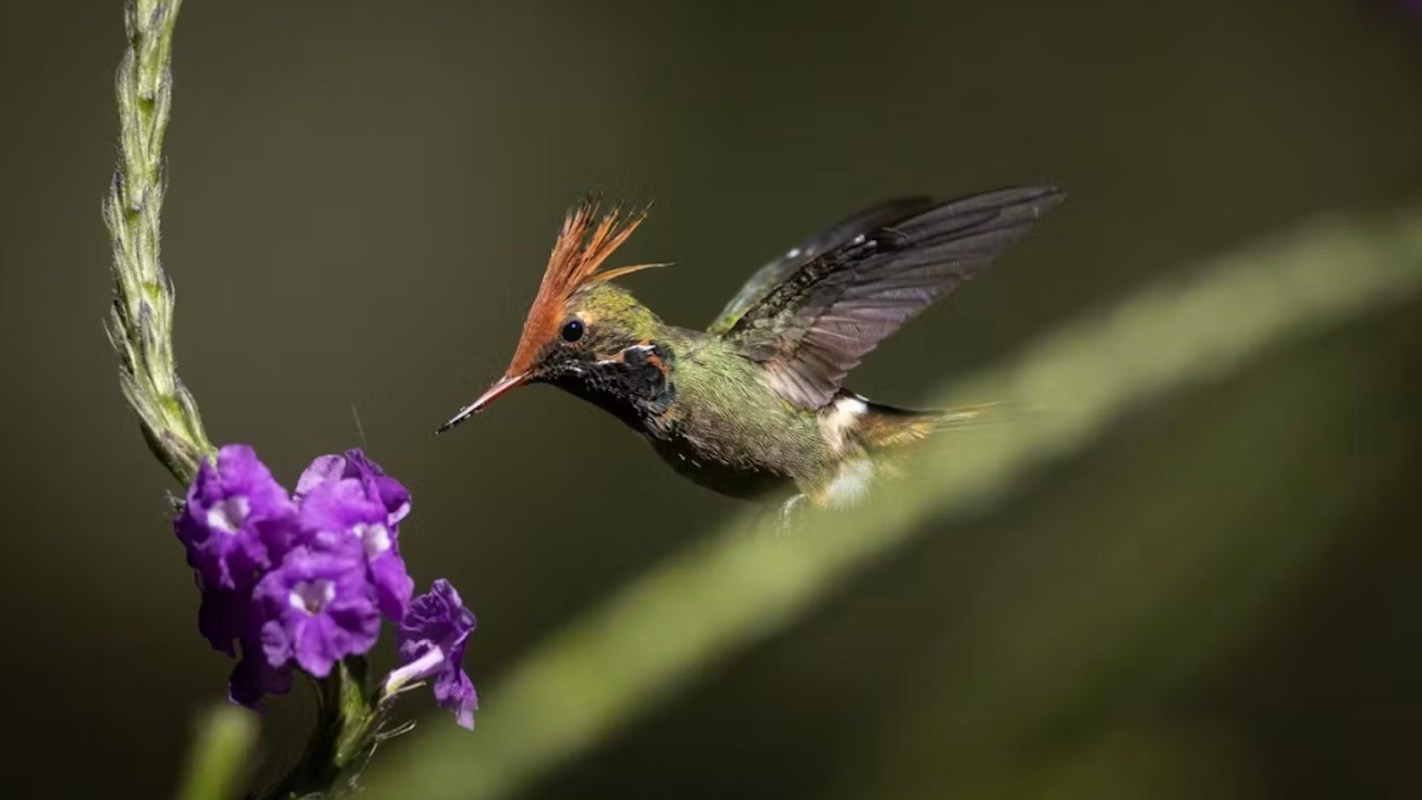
[(886, 427)]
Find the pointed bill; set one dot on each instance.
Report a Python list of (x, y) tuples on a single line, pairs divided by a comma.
[(501, 386), (585, 242)]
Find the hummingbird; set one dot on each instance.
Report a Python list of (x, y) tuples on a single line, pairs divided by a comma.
[(754, 406)]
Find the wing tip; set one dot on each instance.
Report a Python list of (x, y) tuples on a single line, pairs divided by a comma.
[(1049, 196), (1041, 197)]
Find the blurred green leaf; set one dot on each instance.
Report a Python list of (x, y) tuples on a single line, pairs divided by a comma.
[(220, 755), (1137, 587), (658, 632)]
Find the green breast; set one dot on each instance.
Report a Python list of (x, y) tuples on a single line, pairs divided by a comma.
[(727, 429)]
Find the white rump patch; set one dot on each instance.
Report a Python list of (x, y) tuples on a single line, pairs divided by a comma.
[(840, 418)]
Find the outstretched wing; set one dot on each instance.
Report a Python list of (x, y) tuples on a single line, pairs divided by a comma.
[(821, 318), (774, 273)]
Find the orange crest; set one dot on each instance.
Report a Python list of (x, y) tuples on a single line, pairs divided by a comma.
[(585, 242)]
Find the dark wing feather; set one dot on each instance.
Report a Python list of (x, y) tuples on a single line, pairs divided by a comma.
[(821, 319), (782, 267)]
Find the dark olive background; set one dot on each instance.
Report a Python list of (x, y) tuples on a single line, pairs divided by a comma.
[(362, 195)]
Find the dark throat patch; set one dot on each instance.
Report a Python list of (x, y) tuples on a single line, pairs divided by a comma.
[(633, 383)]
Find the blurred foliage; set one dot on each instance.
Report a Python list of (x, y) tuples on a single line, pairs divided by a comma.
[(362, 195), (652, 635), (221, 756)]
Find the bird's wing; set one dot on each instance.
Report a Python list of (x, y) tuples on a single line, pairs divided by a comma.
[(783, 266), (821, 318)]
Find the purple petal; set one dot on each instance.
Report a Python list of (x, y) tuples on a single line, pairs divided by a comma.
[(223, 618), (318, 644), (235, 516), (433, 636), (335, 508), (276, 641), (340, 514), (357, 623), (438, 616), (391, 493), (317, 608), (393, 585), (379, 487), (255, 678), (455, 692), (323, 470)]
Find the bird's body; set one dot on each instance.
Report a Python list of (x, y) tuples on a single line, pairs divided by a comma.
[(754, 406), (708, 412)]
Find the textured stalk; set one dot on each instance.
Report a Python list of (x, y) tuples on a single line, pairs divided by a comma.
[(140, 328), (655, 634), (141, 324)]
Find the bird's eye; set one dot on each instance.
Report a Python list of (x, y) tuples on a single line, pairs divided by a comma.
[(572, 330)]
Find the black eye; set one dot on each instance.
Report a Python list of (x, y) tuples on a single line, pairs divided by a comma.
[(573, 330)]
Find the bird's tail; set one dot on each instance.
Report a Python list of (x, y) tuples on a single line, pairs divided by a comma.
[(889, 427)]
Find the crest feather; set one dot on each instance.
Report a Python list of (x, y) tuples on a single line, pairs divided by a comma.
[(587, 239)]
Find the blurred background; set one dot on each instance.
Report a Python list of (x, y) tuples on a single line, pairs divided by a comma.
[(1219, 599)]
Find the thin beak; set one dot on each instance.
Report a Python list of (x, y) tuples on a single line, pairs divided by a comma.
[(501, 386)]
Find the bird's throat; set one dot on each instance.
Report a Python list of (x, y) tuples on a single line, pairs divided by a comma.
[(634, 385)]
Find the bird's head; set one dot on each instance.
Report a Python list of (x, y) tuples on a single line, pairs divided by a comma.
[(580, 326)]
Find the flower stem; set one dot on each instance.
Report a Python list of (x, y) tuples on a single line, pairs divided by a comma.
[(141, 323), (356, 715), (342, 739)]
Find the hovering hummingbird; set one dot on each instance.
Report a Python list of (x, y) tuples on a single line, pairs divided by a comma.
[(754, 406)]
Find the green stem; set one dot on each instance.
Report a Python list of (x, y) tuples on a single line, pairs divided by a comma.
[(141, 323), (357, 715), (341, 739), (141, 330)]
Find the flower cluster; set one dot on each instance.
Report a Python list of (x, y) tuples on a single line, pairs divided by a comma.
[(303, 581)]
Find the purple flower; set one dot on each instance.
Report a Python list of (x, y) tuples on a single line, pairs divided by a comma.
[(236, 523), (339, 512), (433, 636), (317, 608), (388, 491), (303, 583), (255, 677), (223, 616), (237, 519)]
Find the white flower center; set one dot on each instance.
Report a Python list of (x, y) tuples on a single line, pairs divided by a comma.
[(312, 596), (229, 514), (374, 536)]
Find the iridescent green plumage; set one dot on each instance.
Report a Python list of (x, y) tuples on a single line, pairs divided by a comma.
[(755, 405)]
